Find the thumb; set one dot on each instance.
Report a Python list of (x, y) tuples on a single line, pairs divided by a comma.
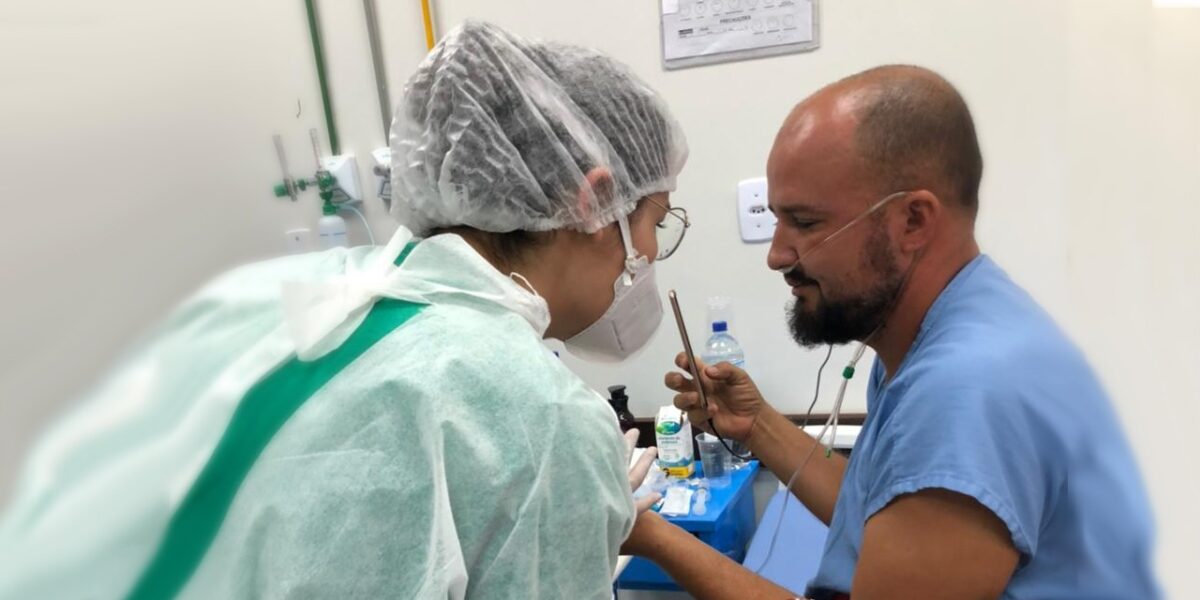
[(724, 372)]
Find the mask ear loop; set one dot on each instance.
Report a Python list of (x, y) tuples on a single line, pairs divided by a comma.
[(631, 255), (520, 280)]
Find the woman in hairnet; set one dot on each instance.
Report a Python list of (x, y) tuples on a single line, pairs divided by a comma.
[(385, 421)]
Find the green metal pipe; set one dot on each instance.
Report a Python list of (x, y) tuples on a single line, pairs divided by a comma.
[(326, 101)]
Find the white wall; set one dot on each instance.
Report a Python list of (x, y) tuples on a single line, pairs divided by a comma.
[(1088, 111), (135, 139)]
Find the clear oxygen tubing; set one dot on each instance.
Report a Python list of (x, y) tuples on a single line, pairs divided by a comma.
[(831, 421), (363, 218)]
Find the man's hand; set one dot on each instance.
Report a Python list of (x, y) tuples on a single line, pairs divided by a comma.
[(740, 413), (734, 402)]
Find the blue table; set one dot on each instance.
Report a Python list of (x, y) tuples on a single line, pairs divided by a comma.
[(727, 526)]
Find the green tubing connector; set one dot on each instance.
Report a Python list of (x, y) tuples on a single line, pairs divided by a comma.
[(327, 184)]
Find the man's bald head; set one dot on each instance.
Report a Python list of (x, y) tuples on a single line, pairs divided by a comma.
[(911, 130), (844, 154)]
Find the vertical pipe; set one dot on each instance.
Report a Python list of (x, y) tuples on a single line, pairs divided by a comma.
[(427, 13), (319, 54), (381, 85)]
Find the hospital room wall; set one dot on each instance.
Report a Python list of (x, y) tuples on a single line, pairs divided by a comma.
[(147, 127), (138, 163)]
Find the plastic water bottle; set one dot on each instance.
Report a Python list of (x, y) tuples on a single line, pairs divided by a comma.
[(722, 347)]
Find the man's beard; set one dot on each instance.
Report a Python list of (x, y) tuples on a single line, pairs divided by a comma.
[(843, 320)]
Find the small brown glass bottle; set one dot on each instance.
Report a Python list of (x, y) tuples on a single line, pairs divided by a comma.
[(620, 405)]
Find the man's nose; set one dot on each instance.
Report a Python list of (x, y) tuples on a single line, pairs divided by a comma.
[(781, 256)]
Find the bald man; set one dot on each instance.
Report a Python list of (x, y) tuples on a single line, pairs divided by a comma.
[(991, 463)]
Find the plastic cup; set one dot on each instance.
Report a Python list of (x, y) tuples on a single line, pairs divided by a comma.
[(739, 450), (715, 460)]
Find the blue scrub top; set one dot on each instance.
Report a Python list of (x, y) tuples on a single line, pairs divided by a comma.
[(992, 401)]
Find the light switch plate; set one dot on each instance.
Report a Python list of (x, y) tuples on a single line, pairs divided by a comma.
[(756, 222)]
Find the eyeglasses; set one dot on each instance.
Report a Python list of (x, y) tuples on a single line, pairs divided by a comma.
[(669, 232)]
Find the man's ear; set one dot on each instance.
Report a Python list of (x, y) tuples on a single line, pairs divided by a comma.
[(923, 212)]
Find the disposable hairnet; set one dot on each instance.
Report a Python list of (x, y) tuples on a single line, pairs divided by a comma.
[(498, 134)]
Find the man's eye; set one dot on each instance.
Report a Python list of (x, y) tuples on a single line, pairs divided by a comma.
[(804, 224)]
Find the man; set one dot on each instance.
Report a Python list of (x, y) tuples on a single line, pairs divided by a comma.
[(991, 464)]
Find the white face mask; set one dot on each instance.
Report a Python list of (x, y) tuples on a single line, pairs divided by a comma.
[(631, 319)]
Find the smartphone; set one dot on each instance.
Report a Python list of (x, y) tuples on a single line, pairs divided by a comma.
[(687, 348)]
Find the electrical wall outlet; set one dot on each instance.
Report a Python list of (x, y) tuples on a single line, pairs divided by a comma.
[(299, 240), (382, 158), (383, 174), (754, 218)]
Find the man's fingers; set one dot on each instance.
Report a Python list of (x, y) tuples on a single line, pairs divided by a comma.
[(687, 401), (678, 382), (709, 376), (681, 361), (690, 402), (644, 503)]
